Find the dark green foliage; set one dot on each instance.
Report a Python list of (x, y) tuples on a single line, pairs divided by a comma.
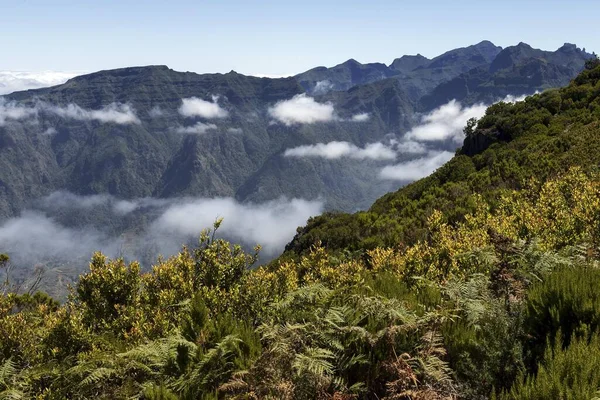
[(156, 392), (469, 129), (486, 355), (567, 301), (564, 373)]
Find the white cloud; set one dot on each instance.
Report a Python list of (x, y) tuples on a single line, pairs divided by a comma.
[(302, 109), (417, 168), (195, 107), (115, 113), (362, 117), (446, 122), (199, 128), (322, 87), (235, 130), (121, 114), (49, 132), (35, 236), (155, 112), (14, 111), (409, 146), (515, 99), (14, 81), (335, 150), (271, 224)]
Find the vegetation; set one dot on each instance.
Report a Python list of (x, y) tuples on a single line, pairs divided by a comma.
[(477, 282)]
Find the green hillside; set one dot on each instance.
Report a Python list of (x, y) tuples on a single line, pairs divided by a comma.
[(535, 139)]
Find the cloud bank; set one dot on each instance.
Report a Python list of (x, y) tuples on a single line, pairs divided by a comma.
[(115, 113), (14, 111), (195, 107), (445, 122), (416, 169), (14, 81), (271, 224), (121, 114), (335, 150), (35, 237), (302, 109), (408, 146), (42, 233)]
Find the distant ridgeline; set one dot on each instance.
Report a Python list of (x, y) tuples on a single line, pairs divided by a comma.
[(136, 161), (477, 282), (124, 132)]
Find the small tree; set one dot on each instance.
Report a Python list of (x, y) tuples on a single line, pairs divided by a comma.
[(592, 63), (469, 130)]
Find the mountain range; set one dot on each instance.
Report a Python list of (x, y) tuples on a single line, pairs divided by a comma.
[(324, 135)]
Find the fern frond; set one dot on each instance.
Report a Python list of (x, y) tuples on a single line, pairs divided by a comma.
[(315, 361), (98, 375), (8, 369), (12, 394)]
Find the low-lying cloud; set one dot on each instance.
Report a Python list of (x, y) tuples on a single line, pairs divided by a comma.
[(156, 112), (416, 169), (195, 107), (408, 146), (302, 109), (271, 224), (335, 150), (116, 113), (362, 117), (322, 87), (42, 233), (14, 81), (14, 111), (446, 122), (198, 129), (34, 237)]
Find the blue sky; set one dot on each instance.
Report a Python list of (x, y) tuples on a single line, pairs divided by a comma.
[(273, 37)]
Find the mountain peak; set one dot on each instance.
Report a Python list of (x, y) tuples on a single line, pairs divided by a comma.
[(523, 45), (568, 48), (409, 63), (485, 43), (351, 62)]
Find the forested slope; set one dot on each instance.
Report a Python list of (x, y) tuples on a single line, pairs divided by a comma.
[(512, 144)]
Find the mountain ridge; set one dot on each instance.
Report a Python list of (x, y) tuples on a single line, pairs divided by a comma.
[(124, 133)]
